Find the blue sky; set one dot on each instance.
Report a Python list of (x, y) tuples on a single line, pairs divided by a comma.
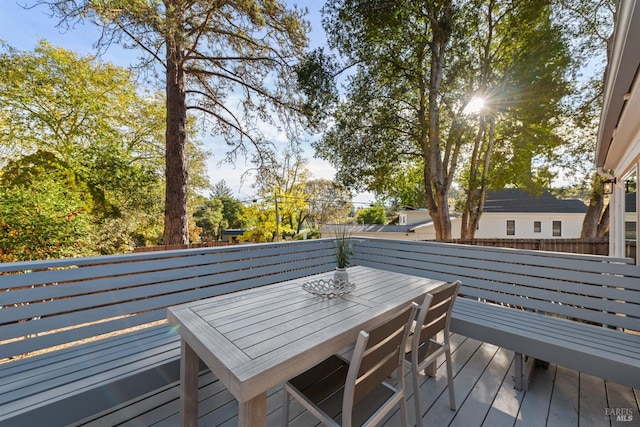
[(22, 27)]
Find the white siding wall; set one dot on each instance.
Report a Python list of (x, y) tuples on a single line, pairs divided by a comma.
[(416, 217), (428, 234), (494, 225)]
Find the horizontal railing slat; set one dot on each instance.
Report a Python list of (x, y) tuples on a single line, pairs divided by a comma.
[(556, 284), (530, 265), (89, 331), (269, 274), (140, 287), (148, 277), (133, 265)]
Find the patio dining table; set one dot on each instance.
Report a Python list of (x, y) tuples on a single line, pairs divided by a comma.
[(258, 338)]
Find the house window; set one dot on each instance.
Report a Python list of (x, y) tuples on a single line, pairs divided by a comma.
[(537, 226), (557, 228), (511, 227), (630, 230), (403, 220)]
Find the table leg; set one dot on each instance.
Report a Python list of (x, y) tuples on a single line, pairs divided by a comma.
[(254, 412), (189, 366)]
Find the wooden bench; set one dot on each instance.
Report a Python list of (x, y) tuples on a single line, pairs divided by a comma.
[(95, 301), (578, 311)]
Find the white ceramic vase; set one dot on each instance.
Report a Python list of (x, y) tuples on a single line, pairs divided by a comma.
[(341, 276)]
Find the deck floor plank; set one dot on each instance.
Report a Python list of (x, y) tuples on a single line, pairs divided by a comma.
[(623, 398), (478, 404), (593, 400), (563, 410), (535, 402), (484, 395), (464, 382), (506, 405)]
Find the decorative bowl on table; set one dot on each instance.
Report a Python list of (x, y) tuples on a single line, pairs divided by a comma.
[(328, 288)]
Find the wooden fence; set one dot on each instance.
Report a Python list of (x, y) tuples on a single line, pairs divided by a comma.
[(596, 246), (593, 246), (174, 247)]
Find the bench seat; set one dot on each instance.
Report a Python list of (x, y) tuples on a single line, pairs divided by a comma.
[(61, 387), (578, 311), (606, 353), (115, 306)]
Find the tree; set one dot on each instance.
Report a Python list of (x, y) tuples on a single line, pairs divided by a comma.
[(209, 217), (417, 66), (590, 24), (44, 211), (219, 212), (392, 113), (328, 202), (221, 189), (372, 215), (405, 187), (64, 109), (283, 206), (521, 84), (208, 51)]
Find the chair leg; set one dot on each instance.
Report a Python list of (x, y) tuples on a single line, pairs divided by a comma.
[(416, 398), (452, 394), (285, 407), (404, 415)]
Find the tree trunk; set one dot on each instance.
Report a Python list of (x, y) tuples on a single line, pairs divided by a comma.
[(176, 217), (437, 181), (603, 225), (596, 222), (591, 219), (477, 210), (472, 203)]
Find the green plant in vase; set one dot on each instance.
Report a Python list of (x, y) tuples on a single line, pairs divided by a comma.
[(343, 254)]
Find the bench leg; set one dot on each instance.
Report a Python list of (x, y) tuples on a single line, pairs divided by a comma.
[(189, 370), (524, 366)]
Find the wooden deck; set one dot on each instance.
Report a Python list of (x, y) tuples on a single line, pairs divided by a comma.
[(484, 394)]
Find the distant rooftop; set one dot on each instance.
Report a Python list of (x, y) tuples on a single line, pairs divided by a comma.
[(518, 200), (376, 228)]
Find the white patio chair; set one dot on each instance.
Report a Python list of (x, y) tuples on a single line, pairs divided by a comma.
[(422, 348), (355, 393)]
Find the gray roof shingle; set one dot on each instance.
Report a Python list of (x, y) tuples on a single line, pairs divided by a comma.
[(520, 201)]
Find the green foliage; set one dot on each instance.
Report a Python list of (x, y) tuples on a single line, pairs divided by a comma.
[(343, 249), (213, 52), (217, 214), (283, 206), (328, 202), (221, 189), (210, 219), (405, 187), (372, 215), (44, 218), (316, 79), (232, 211), (83, 123), (311, 234), (417, 65)]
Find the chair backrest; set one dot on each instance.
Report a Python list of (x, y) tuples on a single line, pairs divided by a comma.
[(435, 313), (377, 354)]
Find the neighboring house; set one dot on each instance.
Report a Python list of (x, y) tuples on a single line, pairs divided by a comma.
[(421, 231), (514, 213), (509, 213), (618, 147), (232, 235)]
